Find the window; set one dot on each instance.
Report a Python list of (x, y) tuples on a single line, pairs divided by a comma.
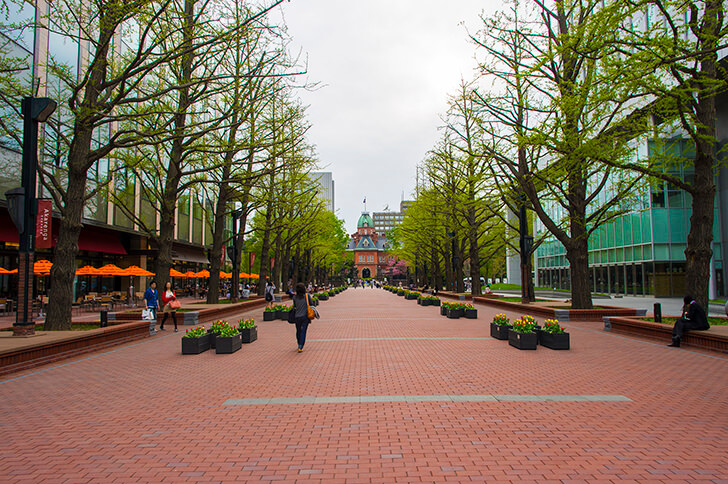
[(370, 258), (361, 258)]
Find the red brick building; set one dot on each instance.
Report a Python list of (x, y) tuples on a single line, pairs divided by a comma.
[(369, 248)]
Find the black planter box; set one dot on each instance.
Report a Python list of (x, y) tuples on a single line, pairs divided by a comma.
[(248, 335), (434, 302), (471, 314), (400, 294), (269, 315), (323, 297), (499, 332), (411, 297), (555, 341), (195, 346), (443, 311), (284, 315), (454, 313), (213, 337), (420, 302), (522, 341), (277, 314), (228, 344)]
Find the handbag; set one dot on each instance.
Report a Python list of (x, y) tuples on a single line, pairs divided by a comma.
[(311, 311), (292, 316), (146, 314), (175, 304)]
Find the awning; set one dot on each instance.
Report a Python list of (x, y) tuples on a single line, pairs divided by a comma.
[(189, 254), (96, 240), (91, 238), (8, 231)]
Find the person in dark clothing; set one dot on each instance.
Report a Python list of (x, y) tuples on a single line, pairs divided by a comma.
[(693, 318), (301, 304)]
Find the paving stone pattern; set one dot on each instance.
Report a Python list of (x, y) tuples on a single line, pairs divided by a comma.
[(385, 391)]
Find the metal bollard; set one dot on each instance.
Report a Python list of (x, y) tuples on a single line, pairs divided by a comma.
[(104, 318), (657, 311)]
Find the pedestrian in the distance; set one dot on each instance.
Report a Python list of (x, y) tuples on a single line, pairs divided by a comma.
[(269, 290), (152, 298), (169, 298), (301, 302)]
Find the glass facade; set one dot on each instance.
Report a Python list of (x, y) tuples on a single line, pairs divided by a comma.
[(641, 252)]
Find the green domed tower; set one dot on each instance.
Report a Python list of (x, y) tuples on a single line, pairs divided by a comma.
[(365, 221)]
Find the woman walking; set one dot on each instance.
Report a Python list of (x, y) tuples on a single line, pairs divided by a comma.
[(301, 302), (168, 296), (269, 290)]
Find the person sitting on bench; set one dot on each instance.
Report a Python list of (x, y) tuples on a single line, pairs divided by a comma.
[(693, 318)]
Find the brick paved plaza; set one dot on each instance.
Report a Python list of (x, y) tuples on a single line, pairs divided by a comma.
[(385, 391)]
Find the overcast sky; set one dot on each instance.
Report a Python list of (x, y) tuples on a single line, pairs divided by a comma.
[(386, 68)]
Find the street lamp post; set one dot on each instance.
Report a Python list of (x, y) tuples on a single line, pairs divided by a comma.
[(235, 258), (23, 207)]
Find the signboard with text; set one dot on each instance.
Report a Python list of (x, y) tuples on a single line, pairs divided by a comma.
[(43, 225)]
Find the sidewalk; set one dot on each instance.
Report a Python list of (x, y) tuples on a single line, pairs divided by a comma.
[(385, 391)]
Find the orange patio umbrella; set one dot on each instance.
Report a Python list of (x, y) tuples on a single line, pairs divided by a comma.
[(87, 271), (137, 271), (175, 273), (190, 274), (110, 270), (226, 275), (42, 267), (203, 273), (244, 275), (5, 271), (254, 276)]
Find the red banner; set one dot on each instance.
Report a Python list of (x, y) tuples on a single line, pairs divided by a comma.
[(43, 223), (252, 260), (222, 255)]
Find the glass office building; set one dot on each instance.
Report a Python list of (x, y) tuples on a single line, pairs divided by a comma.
[(642, 252)]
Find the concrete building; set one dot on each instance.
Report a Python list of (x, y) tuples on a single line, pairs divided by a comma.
[(325, 182), (387, 220)]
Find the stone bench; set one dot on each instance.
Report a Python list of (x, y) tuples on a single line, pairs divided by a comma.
[(713, 339)]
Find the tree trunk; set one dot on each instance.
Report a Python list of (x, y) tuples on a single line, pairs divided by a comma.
[(577, 255), (265, 251), (699, 249), (213, 290), (171, 187), (474, 255), (63, 271), (459, 273), (166, 234)]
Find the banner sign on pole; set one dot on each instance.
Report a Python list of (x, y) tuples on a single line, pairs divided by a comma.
[(43, 225)]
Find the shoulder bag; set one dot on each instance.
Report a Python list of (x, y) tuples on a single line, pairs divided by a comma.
[(311, 311)]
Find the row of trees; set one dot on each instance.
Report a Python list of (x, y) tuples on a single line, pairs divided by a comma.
[(566, 92), (172, 99)]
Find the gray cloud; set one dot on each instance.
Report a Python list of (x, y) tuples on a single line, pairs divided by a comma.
[(386, 69)]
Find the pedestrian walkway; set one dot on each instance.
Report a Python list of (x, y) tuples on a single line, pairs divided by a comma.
[(384, 391)]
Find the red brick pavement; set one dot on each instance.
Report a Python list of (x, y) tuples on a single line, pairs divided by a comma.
[(145, 413)]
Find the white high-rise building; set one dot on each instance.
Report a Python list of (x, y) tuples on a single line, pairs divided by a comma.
[(326, 182)]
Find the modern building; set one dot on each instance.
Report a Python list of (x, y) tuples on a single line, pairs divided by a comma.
[(108, 235), (387, 220), (325, 182), (643, 251), (370, 249)]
